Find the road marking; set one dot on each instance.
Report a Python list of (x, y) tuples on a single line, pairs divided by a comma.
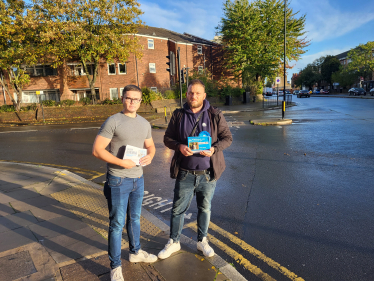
[(240, 259), (91, 174), (84, 128), (18, 131)]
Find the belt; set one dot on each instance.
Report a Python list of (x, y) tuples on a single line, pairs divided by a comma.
[(194, 172)]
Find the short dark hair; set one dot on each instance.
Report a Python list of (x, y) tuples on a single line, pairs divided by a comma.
[(131, 88), (196, 82)]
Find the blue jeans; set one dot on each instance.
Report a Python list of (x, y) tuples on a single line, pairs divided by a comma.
[(186, 185), (124, 195)]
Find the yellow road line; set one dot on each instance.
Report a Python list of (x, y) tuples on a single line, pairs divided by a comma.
[(255, 253), (235, 255), (93, 174)]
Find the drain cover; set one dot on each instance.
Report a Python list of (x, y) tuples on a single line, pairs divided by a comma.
[(16, 266)]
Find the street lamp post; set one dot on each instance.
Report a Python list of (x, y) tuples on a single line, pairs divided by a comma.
[(284, 64)]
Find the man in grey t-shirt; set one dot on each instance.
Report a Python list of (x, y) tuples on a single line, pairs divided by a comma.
[(124, 187)]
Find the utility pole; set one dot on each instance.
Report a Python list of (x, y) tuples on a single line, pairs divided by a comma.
[(179, 73), (284, 73)]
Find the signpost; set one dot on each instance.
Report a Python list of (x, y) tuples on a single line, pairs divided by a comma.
[(38, 93), (277, 81)]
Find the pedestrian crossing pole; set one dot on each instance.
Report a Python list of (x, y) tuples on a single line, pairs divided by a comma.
[(284, 66)]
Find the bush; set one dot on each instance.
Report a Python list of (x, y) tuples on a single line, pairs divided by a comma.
[(7, 108), (114, 101), (67, 102), (169, 94), (149, 96), (48, 103), (86, 101)]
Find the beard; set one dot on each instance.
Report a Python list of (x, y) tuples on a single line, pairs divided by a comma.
[(195, 104)]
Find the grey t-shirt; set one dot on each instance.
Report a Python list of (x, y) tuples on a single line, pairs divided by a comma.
[(124, 130)]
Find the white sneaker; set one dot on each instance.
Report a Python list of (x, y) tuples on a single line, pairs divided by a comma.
[(205, 248), (142, 256), (170, 248), (116, 274)]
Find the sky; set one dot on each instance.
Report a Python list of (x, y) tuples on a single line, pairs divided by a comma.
[(332, 26)]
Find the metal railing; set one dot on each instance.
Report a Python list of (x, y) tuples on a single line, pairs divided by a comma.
[(274, 101)]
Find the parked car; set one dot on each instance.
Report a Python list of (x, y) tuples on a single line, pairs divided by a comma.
[(357, 91), (296, 92), (288, 92), (324, 91), (303, 93), (269, 93), (372, 92), (316, 92)]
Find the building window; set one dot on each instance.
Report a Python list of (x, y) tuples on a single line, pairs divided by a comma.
[(40, 70), (111, 68), (200, 69), (199, 49), (120, 92), (32, 97), (76, 69), (152, 68), (154, 89), (122, 68), (113, 93), (151, 44)]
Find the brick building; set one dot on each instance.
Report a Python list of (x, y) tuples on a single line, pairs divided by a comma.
[(70, 82)]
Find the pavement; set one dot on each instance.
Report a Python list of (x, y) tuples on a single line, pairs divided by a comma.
[(53, 226)]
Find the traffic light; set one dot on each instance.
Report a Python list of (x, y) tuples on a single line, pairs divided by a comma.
[(171, 63), (182, 76)]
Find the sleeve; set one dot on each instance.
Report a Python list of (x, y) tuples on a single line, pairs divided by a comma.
[(224, 136), (149, 131), (170, 137), (108, 128)]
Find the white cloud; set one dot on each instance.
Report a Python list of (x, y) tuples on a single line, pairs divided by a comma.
[(324, 21)]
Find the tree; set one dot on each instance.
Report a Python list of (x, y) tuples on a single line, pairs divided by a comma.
[(361, 59), (329, 65), (18, 47), (253, 36), (344, 77), (88, 31), (308, 76)]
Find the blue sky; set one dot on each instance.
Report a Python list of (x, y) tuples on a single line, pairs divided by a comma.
[(333, 26)]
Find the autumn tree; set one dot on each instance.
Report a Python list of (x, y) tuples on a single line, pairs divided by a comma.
[(88, 31), (18, 47), (308, 76), (344, 77), (253, 36), (361, 59)]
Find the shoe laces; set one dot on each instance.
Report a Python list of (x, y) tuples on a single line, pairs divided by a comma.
[(144, 253), (170, 242)]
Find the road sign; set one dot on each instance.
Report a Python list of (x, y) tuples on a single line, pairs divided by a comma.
[(362, 78), (277, 80), (37, 92)]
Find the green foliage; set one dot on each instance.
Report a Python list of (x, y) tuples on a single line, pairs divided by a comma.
[(308, 76), (211, 86), (169, 94), (110, 102), (253, 35), (86, 101), (329, 65), (344, 77), (7, 108), (32, 107), (67, 102), (49, 102), (361, 59), (149, 96)]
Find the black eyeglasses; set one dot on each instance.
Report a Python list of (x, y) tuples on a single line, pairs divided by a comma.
[(130, 100)]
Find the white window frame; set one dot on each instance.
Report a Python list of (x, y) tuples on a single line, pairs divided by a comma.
[(200, 69), (199, 49), (109, 64), (76, 69), (32, 97), (152, 67), (111, 94), (120, 92), (151, 44), (40, 66), (154, 89), (119, 72)]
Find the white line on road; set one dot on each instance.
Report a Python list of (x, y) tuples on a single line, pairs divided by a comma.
[(84, 128), (18, 131)]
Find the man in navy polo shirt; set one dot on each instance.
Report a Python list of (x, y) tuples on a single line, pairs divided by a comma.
[(195, 173)]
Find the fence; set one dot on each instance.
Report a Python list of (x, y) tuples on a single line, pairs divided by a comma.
[(274, 101)]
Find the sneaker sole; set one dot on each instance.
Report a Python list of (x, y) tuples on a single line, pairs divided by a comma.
[(204, 254), (146, 261)]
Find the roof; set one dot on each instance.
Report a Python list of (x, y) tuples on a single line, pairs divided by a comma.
[(175, 36)]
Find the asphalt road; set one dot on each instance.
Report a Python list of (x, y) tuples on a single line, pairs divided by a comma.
[(300, 194)]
